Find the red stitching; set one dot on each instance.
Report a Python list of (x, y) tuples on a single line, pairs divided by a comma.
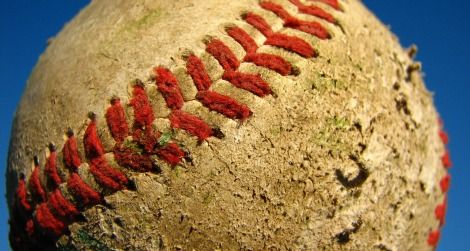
[(433, 238), (171, 153), (106, 175), (128, 158), (198, 73), (21, 194), (223, 54), (168, 86), (259, 23), (51, 168), (116, 120), (61, 206), (314, 11), (191, 124), (70, 151), (35, 185), (213, 100), (445, 183), (29, 227), (444, 137), (332, 3), (224, 105), (47, 221), (99, 167), (250, 82), (290, 43), (91, 141), (245, 40), (440, 211), (273, 62), (143, 113), (82, 191), (311, 27), (446, 160)]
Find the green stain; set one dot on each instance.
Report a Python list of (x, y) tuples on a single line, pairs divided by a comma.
[(340, 123), (207, 198), (334, 136), (144, 21), (85, 239), (322, 82), (165, 138)]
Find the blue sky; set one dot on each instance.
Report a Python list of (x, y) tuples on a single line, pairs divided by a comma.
[(440, 29)]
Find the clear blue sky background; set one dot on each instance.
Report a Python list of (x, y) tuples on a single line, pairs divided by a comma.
[(441, 29)]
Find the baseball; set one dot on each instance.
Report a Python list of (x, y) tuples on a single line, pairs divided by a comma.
[(227, 125)]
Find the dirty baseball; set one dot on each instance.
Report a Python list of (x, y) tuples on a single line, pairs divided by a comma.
[(227, 125)]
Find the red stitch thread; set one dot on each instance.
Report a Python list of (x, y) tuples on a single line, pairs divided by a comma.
[(332, 3), (243, 38), (259, 23), (198, 73), (314, 11), (273, 62), (433, 238), (223, 54), (277, 9), (21, 194), (445, 183), (168, 86), (70, 151), (82, 191), (250, 82), (104, 180), (51, 168), (171, 153), (311, 27), (47, 221), (91, 140), (291, 43), (147, 138), (35, 185), (106, 175), (100, 169), (190, 123), (62, 207), (128, 158), (29, 227), (444, 137), (224, 105), (446, 160), (116, 120), (143, 113), (440, 212)]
